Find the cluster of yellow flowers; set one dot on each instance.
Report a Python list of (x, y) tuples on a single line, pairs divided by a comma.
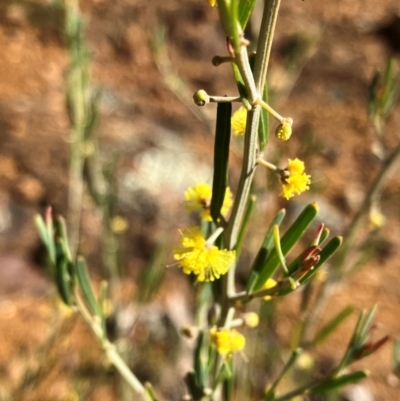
[(197, 255), (227, 341), (295, 180), (199, 198)]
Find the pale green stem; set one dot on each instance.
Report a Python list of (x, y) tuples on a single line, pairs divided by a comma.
[(270, 110), (76, 88), (229, 318), (215, 235), (246, 297), (248, 168), (242, 61), (249, 162), (267, 164), (294, 393), (110, 351), (277, 242), (264, 45), (224, 99)]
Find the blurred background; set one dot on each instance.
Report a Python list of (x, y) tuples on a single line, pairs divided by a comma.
[(149, 143)]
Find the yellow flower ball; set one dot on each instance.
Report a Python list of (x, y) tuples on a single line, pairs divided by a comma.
[(196, 256), (238, 121)]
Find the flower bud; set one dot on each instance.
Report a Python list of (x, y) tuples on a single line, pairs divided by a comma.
[(251, 319), (201, 98), (284, 129)]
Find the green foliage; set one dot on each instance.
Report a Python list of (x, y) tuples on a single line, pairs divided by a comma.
[(221, 159), (291, 237)]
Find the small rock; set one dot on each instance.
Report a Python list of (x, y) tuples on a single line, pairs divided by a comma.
[(30, 188)]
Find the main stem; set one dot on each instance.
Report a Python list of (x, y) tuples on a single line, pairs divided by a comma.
[(112, 355), (264, 45), (254, 86)]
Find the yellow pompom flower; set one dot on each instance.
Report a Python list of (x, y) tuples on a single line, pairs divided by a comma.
[(212, 3), (202, 259), (295, 180), (199, 198), (227, 341), (238, 121)]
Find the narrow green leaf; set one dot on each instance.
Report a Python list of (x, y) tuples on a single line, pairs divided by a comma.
[(86, 287), (330, 248), (263, 128), (227, 385), (150, 391), (367, 323), (61, 234), (292, 235), (217, 286), (48, 220), (373, 88), (241, 87), (228, 15), (332, 325), (103, 297), (263, 252), (235, 27), (277, 243), (46, 234), (391, 88), (249, 212), (221, 158), (92, 115), (199, 369), (196, 391), (62, 276), (245, 9), (338, 382), (42, 230), (358, 330)]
